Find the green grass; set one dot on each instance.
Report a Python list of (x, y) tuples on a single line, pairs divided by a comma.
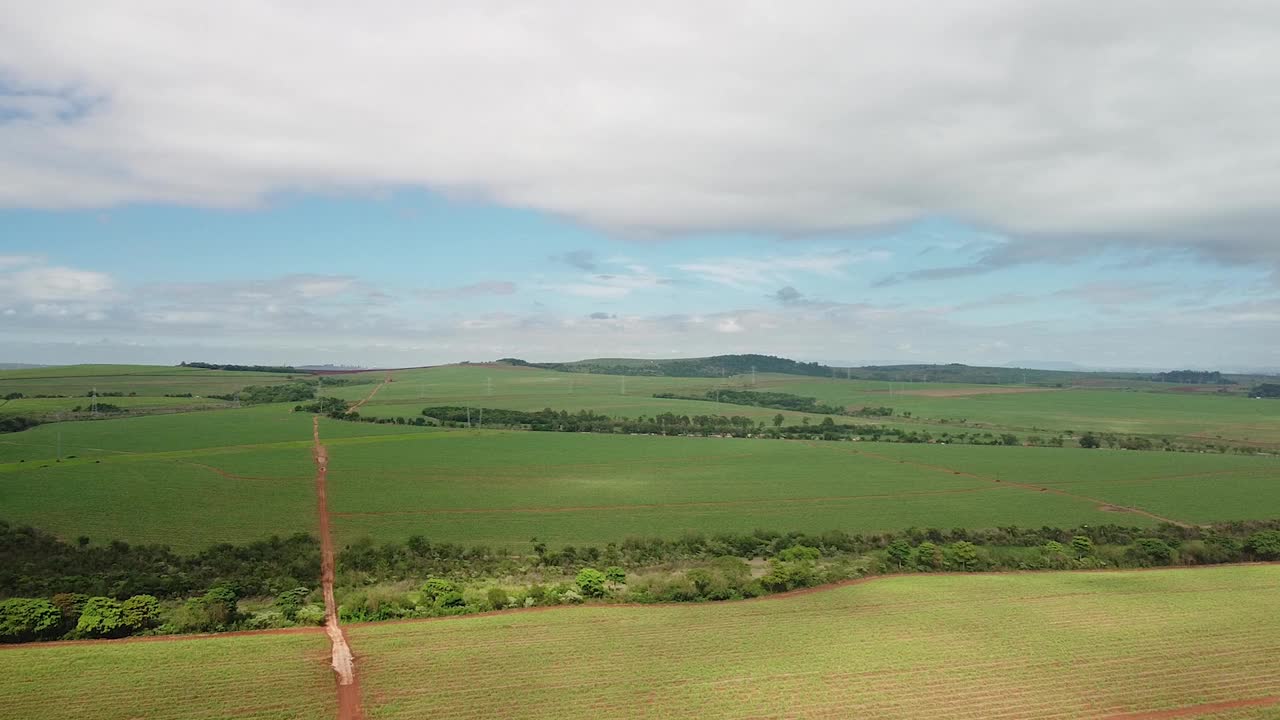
[(257, 677), (1060, 645), (53, 408), (502, 488), (1155, 411), (145, 380)]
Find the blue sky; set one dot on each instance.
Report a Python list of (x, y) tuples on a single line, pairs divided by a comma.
[(845, 183)]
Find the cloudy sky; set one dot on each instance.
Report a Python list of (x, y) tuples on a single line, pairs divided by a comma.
[(850, 182)]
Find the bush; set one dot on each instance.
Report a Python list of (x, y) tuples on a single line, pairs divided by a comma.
[(24, 620), (497, 598), (102, 617), (1264, 545), (591, 582), (140, 612)]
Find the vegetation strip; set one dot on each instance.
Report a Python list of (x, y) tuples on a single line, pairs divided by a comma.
[(342, 661)]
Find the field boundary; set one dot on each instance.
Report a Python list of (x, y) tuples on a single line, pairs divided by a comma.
[(342, 661), (308, 630)]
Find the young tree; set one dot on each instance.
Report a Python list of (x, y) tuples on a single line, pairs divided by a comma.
[(928, 556), (101, 617), (1090, 441), (778, 420), (140, 612), (1082, 545), (964, 555), (497, 598), (24, 619), (290, 601), (615, 575), (899, 553), (591, 582), (1265, 545)]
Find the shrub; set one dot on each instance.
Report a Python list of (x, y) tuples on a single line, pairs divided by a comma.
[(24, 620), (102, 617), (591, 582)]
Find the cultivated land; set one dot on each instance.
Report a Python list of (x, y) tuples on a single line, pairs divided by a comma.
[(1055, 645), (236, 475), (255, 677), (1153, 409)]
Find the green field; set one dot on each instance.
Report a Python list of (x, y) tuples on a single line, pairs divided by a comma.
[(258, 677), (145, 380), (1153, 410), (502, 488), (1054, 645), (193, 479)]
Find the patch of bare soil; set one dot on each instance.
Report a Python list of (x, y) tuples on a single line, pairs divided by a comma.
[(1195, 710)]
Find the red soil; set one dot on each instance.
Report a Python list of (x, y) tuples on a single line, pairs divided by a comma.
[(1194, 710), (367, 398), (343, 662)]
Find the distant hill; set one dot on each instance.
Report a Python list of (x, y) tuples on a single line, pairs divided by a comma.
[(714, 366), (718, 365)]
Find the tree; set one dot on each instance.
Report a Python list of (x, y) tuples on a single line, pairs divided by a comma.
[(497, 598), (101, 617), (1090, 441), (899, 552), (290, 601), (1082, 545), (442, 593), (591, 582), (928, 556), (778, 420), (1265, 545), (964, 555), (24, 619), (140, 612), (615, 575), (1008, 439), (1149, 552)]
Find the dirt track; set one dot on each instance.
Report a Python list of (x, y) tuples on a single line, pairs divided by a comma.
[(343, 662), (1196, 710)]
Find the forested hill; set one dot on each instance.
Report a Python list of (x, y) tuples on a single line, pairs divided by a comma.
[(715, 366), (727, 365)]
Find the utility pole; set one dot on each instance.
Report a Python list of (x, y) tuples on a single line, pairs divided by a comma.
[(753, 376), (489, 384), (468, 416), (624, 384), (481, 417), (93, 402)]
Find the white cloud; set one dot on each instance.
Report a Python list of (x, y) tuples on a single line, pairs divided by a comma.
[(53, 283), (1151, 123), (743, 273)]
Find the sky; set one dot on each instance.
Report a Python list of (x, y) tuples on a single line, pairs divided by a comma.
[(402, 184)]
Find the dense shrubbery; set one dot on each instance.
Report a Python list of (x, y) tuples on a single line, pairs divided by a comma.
[(777, 400), (242, 368), (35, 563), (259, 394), (325, 405), (461, 580), (1265, 390), (17, 423), (1192, 377)]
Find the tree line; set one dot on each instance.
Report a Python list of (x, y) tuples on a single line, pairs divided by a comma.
[(53, 589), (241, 368)]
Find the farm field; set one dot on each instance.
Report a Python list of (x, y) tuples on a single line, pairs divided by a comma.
[(501, 488), (1155, 411), (255, 677), (145, 380), (1051, 645)]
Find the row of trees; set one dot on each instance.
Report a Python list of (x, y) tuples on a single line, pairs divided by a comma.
[(777, 400), (241, 368), (285, 392)]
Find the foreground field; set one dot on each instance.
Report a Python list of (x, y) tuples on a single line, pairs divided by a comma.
[(250, 677), (1080, 645)]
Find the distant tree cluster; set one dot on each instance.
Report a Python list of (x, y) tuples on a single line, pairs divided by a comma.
[(17, 423), (1192, 377), (261, 394), (242, 368), (1266, 390), (775, 400)]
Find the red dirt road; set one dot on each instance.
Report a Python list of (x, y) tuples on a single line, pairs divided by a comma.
[(368, 397), (1196, 710), (343, 662)]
